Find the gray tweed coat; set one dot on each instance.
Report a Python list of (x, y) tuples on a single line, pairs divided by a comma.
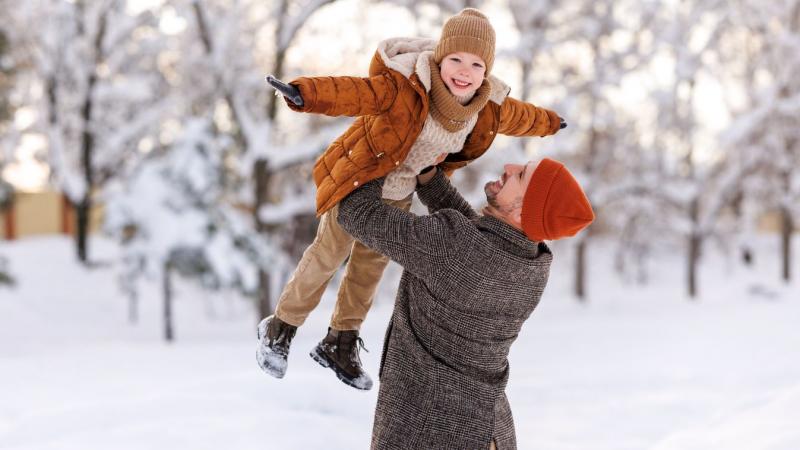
[(468, 285)]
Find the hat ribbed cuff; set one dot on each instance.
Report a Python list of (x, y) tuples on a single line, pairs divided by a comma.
[(535, 201), (467, 44)]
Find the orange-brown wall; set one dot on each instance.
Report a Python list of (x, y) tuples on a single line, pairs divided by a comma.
[(39, 213)]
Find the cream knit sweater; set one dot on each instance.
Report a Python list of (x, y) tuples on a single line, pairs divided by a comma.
[(433, 140)]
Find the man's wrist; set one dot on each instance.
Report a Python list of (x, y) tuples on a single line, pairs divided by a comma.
[(426, 174)]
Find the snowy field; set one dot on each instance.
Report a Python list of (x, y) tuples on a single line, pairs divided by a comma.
[(635, 368)]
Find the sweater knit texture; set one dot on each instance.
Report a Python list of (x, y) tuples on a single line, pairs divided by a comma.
[(432, 141)]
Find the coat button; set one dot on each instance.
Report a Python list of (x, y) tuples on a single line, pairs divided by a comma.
[(355, 183), (397, 163), (349, 153), (491, 132)]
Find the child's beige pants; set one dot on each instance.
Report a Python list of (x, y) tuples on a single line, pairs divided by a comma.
[(320, 262)]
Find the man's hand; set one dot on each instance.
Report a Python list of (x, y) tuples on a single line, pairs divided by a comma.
[(290, 92), (429, 172)]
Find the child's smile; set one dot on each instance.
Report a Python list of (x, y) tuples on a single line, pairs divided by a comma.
[(462, 73)]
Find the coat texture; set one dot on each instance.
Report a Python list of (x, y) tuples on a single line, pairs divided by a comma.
[(468, 285), (390, 107)]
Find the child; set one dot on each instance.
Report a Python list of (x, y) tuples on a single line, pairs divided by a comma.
[(423, 100)]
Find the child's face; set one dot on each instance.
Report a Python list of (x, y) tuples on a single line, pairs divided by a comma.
[(462, 72)]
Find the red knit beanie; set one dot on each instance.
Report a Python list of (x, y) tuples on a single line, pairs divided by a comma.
[(554, 205)]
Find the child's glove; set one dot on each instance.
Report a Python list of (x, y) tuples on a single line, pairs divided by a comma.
[(290, 92), (563, 124)]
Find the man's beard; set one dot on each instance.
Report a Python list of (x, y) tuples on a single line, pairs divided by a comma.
[(491, 197)]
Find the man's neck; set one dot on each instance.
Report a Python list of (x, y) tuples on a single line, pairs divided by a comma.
[(491, 211)]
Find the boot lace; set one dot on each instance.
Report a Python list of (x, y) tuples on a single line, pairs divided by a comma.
[(361, 344), (351, 347), (285, 334)]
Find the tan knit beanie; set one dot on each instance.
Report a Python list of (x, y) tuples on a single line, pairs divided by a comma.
[(468, 31)]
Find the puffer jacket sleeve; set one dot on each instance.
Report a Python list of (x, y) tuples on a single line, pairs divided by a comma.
[(346, 96), (519, 118)]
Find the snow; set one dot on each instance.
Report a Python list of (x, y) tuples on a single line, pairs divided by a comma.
[(268, 360), (637, 367)]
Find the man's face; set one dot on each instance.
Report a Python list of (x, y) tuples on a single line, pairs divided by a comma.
[(506, 193), (462, 73)]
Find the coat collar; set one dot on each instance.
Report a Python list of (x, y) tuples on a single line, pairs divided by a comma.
[(412, 55), (510, 238)]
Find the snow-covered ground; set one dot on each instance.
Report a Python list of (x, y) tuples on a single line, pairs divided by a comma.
[(634, 368)]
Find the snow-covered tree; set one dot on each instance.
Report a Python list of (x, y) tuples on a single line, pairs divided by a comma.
[(102, 92), (429, 15), (6, 109), (228, 48), (701, 176), (767, 118), (580, 54), (682, 180), (172, 216), (6, 69)]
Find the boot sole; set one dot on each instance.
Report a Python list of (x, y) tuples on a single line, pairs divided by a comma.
[(264, 354), (324, 361)]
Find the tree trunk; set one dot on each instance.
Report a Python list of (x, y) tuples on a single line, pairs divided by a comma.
[(83, 209), (787, 228), (261, 175), (695, 240), (747, 256), (167, 293), (580, 269), (133, 308), (694, 257)]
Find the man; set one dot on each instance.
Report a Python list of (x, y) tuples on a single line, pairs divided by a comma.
[(469, 283)]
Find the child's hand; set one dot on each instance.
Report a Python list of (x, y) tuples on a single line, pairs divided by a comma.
[(290, 92), (563, 124)]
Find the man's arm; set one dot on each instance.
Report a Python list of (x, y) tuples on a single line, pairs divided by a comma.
[(435, 191), (423, 245)]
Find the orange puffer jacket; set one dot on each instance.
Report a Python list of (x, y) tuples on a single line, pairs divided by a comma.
[(390, 107)]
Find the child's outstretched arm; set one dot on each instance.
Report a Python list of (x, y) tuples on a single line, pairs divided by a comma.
[(345, 96), (519, 118)]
